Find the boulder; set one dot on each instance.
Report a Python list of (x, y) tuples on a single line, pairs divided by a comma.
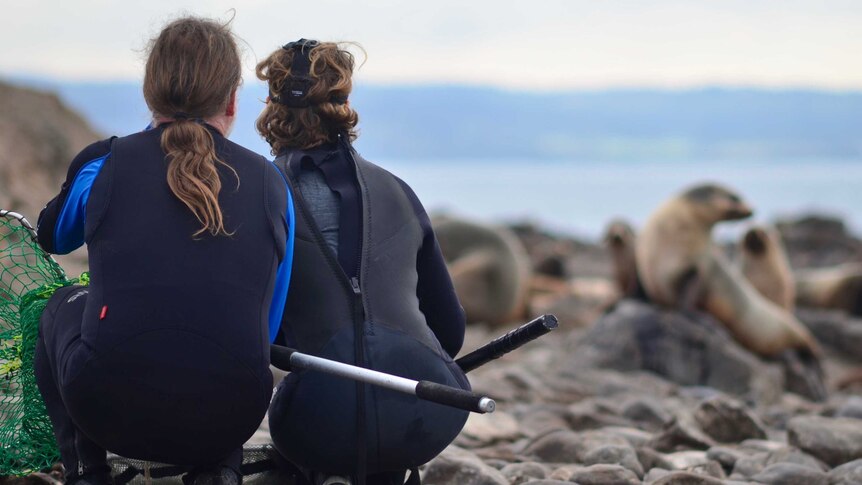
[(689, 349), (833, 440)]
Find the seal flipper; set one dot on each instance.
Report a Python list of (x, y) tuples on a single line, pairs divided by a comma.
[(689, 288)]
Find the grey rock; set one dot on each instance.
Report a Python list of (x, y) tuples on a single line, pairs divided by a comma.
[(491, 428), (518, 473), (850, 408), (793, 455), (833, 440), (593, 414), (456, 465), (549, 482), (835, 329), (684, 460), (762, 445), (847, 474), (539, 419), (588, 447), (651, 458), (634, 436), (728, 420), (646, 411), (560, 446), (680, 434), (791, 474), (624, 456), (689, 349), (750, 465), (654, 474), (599, 475), (686, 478), (710, 468), (724, 455)]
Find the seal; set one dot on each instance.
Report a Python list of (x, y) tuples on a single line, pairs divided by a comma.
[(838, 287), (754, 321), (619, 240), (675, 244), (489, 267), (764, 263), (680, 268)]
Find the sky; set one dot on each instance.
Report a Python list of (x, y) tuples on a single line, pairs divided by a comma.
[(524, 45)]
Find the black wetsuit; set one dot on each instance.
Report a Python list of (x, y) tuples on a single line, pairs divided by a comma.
[(382, 299), (164, 357)]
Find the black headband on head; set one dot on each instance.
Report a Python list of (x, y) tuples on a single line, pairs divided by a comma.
[(293, 93)]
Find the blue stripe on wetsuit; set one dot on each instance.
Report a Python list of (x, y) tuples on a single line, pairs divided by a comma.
[(69, 229), (282, 277)]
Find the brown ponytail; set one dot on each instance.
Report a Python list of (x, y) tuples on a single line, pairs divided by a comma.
[(192, 73)]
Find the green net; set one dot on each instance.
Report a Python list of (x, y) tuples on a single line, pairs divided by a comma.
[(28, 277)]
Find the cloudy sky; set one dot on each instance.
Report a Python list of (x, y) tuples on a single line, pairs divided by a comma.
[(532, 44)]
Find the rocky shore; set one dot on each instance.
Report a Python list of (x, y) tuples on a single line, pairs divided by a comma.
[(645, 395)]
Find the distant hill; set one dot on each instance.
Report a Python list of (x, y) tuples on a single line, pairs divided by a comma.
[(39, 136), (421, 122)]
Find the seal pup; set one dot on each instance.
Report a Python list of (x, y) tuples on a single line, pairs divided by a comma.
[(619, 239), (838, 287), (680, 268), (764, 263), (489, 267)]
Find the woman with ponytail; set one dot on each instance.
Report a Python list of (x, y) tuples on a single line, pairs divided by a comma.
[(164, 356), (374, 288)]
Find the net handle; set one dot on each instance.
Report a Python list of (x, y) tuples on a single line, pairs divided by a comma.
[(20, 218), (30, 229)]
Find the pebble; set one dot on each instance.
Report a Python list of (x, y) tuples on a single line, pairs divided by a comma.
[(728, 420)]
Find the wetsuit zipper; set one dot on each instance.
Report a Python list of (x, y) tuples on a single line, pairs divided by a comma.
[(358, 308)]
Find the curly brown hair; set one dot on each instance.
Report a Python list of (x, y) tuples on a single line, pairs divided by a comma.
[(326, 115)]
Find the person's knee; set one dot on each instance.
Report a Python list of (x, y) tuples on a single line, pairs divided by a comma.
[(68, 295)]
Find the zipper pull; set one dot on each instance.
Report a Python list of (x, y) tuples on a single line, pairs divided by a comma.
[(354, 282), (80, 468)]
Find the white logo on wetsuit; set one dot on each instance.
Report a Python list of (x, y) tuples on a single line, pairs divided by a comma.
[(77, 295)]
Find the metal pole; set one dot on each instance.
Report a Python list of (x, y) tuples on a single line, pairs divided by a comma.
[(289, 359)]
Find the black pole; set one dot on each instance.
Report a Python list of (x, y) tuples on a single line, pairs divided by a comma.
[(507, 343)]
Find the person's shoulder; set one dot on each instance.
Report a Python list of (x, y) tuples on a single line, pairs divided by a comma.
[(93, 152), (240, 152)]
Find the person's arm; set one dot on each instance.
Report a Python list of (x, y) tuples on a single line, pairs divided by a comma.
[(280, 205), (61, 223), (437, 298)]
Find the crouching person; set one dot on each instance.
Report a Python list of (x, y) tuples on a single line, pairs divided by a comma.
[(371, 286), (164, 357)]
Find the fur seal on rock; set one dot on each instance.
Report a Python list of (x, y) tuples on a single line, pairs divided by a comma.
[(489, 267), (838, 287), (620, 241), (764, 263), (679, 267)]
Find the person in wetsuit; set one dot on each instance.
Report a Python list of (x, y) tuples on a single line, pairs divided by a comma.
[(374, 289), (164, 356)]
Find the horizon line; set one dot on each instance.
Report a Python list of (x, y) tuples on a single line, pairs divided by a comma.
[(25, 78)]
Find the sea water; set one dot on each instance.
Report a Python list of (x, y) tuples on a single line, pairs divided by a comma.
[(580, 197)]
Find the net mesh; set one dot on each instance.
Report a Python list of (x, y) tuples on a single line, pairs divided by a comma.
[(28, 277)]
